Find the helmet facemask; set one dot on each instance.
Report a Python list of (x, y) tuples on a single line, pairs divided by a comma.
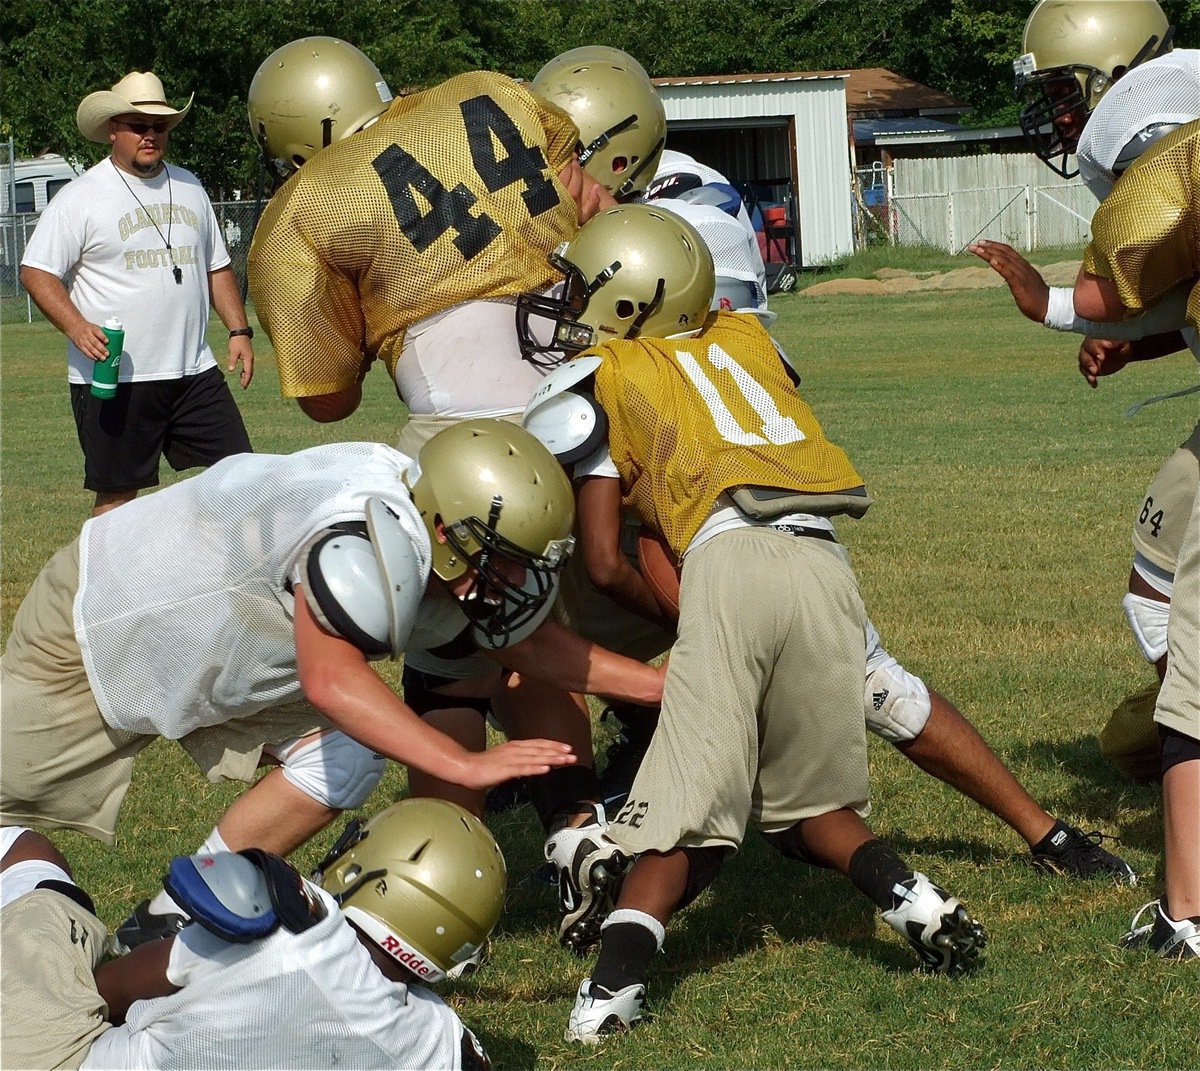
[(571, 332), (496, 603), (1056, 110), (499, 512)]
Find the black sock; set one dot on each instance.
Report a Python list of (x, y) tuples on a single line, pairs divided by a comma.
[(874, 870), (625, 953), (1047, 844), (563, 791)]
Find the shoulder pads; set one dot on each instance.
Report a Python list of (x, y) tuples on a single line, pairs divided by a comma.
[(568, 422)]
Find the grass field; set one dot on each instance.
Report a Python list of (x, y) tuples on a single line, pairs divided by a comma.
[(993, 564)]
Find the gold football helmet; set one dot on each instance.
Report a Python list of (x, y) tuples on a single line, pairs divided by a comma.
[(634, 270), (310, 93), (1073, 51), (496, 502), (620, 117), (423, 879)]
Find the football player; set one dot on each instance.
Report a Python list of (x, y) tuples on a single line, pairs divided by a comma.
[(451, 196), (761, 715), (1129, 107), (275, 971), (1072, 52), (238, 612), (1138, 254), (898, 706)]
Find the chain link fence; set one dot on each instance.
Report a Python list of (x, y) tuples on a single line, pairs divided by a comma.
[(236, 219), (949, 203)]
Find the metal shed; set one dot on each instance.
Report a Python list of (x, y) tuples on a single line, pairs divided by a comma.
[(784, 134)]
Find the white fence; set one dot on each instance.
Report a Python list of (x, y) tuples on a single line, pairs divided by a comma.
[(949, 202)]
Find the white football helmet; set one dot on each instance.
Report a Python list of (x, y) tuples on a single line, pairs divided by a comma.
[(310, 93), (1073, 51)]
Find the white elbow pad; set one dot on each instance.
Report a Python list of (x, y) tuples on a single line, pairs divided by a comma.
[(896, 703), (1148, 622), (333, 769)]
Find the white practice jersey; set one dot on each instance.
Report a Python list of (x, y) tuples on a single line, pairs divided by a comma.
[(183, 612), (1163, 91), (312, 999), (730, 256)]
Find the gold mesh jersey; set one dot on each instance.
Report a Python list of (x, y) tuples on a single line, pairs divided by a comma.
[(690, 418), (1146, 233), (452, 195)]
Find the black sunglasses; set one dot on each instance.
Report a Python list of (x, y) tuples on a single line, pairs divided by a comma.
[(159, 127)]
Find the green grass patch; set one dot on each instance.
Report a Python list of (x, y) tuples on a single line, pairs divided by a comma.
[(993, 564)]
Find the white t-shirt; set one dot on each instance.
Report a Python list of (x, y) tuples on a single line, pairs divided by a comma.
[(183, 612), (105, 236), (312, 999)]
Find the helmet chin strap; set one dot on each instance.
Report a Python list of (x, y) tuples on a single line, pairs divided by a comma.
[(636, 327), (603, 139)]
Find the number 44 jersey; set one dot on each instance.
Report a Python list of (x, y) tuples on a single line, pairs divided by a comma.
[(451, 196), (692, 417)]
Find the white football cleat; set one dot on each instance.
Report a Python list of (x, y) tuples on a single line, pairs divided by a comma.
[(1163, 935), (588, 869), (946, 938), (598, 1012)]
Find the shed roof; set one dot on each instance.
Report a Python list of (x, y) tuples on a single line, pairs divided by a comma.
[(869, 90)]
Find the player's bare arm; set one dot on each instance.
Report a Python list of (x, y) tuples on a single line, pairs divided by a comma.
[(339, 681), (1025, 282), (139, 975), (598, 509), (1104, 357), (1097, 298), (556, 655)]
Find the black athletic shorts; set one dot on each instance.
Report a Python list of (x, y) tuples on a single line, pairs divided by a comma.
[(190, 421)]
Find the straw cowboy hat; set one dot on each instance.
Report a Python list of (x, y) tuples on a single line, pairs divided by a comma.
[(138, 93)]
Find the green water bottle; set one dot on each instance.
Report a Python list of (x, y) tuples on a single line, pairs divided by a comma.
[(108, 371)]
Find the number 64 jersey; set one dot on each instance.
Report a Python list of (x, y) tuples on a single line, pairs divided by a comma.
[(451, 196), (692, 417)]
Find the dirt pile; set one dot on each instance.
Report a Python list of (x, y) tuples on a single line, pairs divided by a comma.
[(899, 281)]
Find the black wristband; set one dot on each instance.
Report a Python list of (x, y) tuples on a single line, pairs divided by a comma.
[(247, 331)]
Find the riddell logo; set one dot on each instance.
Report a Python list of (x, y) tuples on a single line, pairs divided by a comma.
[(402, 955)]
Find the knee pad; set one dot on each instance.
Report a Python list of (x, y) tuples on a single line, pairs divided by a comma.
[(1147, 620), (895, 702), (703, 866), (333, 769)]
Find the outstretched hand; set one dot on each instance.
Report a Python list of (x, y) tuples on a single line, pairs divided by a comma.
[(516, 758), (1102, 357), (1025, 282)]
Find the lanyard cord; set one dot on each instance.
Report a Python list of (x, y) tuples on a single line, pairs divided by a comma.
[(176, 270)]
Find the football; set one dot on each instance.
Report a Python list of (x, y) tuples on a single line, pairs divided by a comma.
[(660, 570)]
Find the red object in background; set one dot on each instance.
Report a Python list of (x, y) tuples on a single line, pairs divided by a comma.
[(773, 238)]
